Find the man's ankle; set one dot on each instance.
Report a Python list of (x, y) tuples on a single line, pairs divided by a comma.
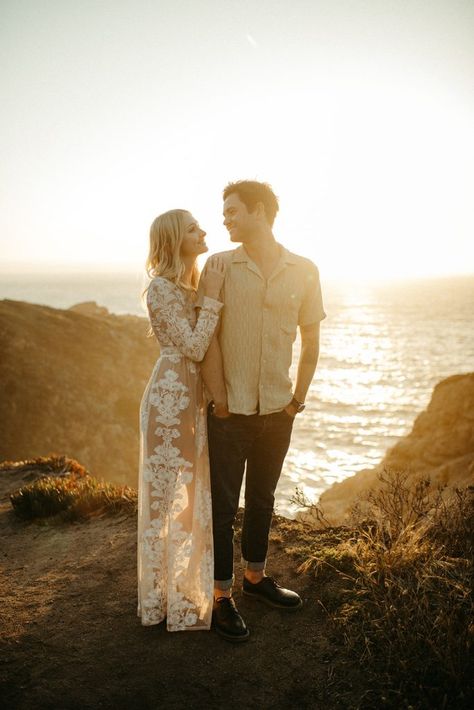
[(254, 576), (219, 593)]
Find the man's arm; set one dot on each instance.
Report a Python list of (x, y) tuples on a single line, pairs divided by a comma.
[(212, 372), (306, 365)]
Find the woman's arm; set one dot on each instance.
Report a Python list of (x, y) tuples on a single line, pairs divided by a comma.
[(167, 316)]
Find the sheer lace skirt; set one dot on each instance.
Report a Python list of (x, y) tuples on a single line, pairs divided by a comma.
[(175, 552)]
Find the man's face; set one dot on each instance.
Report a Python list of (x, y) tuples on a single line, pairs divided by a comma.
[(240, 223)]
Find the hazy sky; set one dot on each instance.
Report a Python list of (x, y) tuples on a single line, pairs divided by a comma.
[(359, 113)]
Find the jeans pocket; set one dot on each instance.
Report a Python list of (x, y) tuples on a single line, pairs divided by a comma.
[(222, 419), (219, 421)]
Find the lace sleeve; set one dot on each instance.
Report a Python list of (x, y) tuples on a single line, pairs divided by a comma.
[(168, 317)]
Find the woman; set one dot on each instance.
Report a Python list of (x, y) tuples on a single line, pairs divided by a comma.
[(175, 552)]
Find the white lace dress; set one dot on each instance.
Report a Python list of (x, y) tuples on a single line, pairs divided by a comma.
[(175, 550)]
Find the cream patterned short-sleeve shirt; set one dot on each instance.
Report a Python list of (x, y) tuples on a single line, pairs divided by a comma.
[(258, 327)]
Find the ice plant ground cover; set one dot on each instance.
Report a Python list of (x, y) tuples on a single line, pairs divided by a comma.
[(70, 493)]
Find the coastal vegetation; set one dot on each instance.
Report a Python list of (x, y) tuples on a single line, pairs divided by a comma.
[(397, 586)]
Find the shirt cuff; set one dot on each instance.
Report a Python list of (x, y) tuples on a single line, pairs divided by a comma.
[(210, 304)]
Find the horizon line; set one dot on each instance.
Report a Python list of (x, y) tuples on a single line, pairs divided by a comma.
[(56, 268)]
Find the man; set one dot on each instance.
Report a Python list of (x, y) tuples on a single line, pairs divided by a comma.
[(268, 292)]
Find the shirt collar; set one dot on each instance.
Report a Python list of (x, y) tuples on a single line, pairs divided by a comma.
[(241, 256)]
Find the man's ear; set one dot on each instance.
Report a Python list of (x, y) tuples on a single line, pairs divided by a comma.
[(260, 211)]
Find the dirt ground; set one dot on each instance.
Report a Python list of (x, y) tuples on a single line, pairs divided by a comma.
[(71, 637)]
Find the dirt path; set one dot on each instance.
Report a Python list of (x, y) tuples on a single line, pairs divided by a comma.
[(71, 637)]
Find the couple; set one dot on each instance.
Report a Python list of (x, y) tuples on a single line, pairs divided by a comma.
[(232, 331)]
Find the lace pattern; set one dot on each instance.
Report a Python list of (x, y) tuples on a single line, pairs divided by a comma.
[(175, 551)]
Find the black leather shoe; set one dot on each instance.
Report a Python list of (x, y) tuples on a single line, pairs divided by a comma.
[(268, 591), (227, 621)]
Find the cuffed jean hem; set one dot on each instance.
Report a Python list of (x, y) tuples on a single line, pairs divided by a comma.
[(254, 566), (223, 584)]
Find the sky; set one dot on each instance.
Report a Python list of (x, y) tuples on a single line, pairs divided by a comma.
[(359, 113)]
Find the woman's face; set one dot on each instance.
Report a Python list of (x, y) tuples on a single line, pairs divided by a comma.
[(193, 241)]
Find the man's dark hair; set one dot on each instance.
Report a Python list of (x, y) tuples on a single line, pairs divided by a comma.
[(251, 192)]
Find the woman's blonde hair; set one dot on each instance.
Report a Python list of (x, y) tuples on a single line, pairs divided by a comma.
[(164, 257)]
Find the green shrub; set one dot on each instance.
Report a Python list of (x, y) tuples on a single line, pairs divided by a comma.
[(71, 497)]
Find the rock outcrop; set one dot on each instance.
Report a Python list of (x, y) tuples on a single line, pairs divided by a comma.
[(440, 446), (71, 381), (90, 308)]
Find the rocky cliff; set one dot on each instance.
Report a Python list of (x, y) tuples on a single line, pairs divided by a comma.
[(440, 446), (71, 381)]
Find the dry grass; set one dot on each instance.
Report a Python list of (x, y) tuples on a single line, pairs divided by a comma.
[(404, 604)]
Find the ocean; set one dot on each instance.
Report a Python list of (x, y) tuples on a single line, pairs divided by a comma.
[(383, 348)]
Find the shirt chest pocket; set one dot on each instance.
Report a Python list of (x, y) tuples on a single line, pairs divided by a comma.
[(291, 295), (289, 321)]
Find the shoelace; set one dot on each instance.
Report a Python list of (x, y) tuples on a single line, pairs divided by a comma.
[(269, 580), (228, 608), (229, 602)]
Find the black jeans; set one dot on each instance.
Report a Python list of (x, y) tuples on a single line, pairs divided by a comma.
[(261, 442)]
